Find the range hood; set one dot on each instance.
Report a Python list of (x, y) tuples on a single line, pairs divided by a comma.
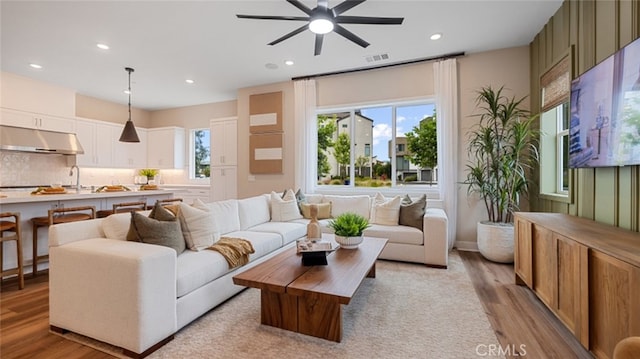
[(40, 141)]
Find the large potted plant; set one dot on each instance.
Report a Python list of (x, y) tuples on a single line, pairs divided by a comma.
[(502, 150)]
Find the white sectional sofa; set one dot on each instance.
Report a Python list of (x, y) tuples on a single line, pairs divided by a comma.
[(137, 295)]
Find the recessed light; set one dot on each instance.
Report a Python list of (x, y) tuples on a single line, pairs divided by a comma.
[(36, 66), (103, 46), (189, 81), (288, 62), (436, 36)]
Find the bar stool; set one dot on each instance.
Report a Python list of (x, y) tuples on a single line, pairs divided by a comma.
[(57, 215), (166, 202), (122, 208), (11, 226)]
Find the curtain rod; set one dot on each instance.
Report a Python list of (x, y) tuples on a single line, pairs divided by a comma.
[(441, 57)]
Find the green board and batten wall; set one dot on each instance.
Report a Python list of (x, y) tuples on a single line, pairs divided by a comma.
[(593, 30)]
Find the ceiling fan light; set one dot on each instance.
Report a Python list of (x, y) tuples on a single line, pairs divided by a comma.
[(321, 26)]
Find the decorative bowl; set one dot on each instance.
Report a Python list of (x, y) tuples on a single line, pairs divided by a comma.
[(348, 242)]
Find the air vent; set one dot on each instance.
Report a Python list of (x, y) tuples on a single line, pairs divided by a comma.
[(376, 58)]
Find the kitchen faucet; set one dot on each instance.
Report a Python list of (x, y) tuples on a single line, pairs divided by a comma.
[(77, 176)]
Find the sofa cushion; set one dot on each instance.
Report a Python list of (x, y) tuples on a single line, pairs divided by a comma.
[(342, 204), (198, 226), (313, 198), (285, 208), (116, 226), (412, 213), (385, 211), (324, 210), (262, 242), (288, 231), (153, 231), (396, 234), (253, 211), (226, 214), (195, 269)]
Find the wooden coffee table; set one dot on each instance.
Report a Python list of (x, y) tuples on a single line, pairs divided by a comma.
[(308, 300)]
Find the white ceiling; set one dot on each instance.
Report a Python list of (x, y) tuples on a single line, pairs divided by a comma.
[(167, 42)]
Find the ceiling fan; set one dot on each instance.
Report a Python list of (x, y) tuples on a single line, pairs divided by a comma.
[(322, 20)]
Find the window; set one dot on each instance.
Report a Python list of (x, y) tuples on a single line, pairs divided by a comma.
[(200, 154), (554, 151), (378, 146)]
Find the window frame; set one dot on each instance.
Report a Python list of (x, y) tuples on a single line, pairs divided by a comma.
[(192, 155), (432, 191)]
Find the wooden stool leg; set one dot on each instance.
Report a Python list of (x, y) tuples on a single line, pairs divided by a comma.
[(1, 254), (35, 251), (20, 264)]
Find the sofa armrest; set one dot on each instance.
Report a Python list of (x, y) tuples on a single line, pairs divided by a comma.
[(63, 233), (119, 292), (436, 233)]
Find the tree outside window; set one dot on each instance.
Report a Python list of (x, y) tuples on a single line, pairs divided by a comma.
[(202, 154)]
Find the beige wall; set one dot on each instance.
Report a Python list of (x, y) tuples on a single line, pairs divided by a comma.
[(266, 183), (596, 29), (22, 93), (197, 116), (96, 109)]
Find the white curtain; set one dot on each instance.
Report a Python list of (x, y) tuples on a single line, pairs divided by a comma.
[(305, 133), (445, 78)]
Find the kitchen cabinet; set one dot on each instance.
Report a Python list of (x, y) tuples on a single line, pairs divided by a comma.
[(191, 193), (224, 183), (587, 273), (224, 142), (37, 121), (129, 154), (97, 140), (166, 148)]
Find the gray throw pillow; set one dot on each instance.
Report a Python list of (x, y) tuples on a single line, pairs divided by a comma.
[(412, 213), (153, 231)]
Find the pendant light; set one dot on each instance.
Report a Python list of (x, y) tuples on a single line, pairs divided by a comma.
[(129, 133)]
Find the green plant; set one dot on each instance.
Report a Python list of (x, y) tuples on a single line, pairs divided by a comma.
[(349, 224), (148, 172), (502, 150)]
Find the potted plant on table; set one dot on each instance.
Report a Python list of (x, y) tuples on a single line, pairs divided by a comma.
[(348, 228), (150, 173), (502, 150)]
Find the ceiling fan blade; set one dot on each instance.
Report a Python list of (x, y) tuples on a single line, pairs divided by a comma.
[(345, 5), (318, 47), (323, 3), (292, 33), (300, 6), (350, 35), (269, 17), (369, 20)]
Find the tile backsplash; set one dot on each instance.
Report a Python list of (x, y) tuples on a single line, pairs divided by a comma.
[(34, 169)]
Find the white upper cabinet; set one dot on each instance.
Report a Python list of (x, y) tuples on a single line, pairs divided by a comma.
[(224, 143), (129, 154), (97, 141), (36, 121), (166, 148)]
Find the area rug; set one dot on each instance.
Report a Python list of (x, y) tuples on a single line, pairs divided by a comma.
[(407, 311)]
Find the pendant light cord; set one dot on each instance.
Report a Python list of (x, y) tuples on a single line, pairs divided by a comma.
[(129, 70)]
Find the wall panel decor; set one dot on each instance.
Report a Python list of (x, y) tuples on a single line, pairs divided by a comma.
[(265, 153)]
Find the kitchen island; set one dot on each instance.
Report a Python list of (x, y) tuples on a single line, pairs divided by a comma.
[(37, 205)]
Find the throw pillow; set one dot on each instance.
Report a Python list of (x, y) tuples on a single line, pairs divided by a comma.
[(412, 214), (300, 197), (159, 213), (324, 210), (283, 210), (199, 227), (153, 231), (387, 212)]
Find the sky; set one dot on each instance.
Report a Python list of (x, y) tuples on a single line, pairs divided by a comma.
[(408, 117)]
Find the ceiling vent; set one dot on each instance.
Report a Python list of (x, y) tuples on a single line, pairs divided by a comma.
[(376, 58)]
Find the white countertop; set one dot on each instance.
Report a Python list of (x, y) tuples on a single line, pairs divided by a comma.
[(27, 197)]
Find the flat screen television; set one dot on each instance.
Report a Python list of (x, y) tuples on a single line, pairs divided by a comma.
[(604, 129)]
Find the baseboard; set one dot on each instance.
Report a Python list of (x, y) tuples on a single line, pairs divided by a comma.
[(467, 246)]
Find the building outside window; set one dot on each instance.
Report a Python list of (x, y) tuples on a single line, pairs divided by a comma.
[(370, 146)]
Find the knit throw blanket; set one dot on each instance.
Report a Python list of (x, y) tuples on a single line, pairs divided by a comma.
[(235, 250)]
